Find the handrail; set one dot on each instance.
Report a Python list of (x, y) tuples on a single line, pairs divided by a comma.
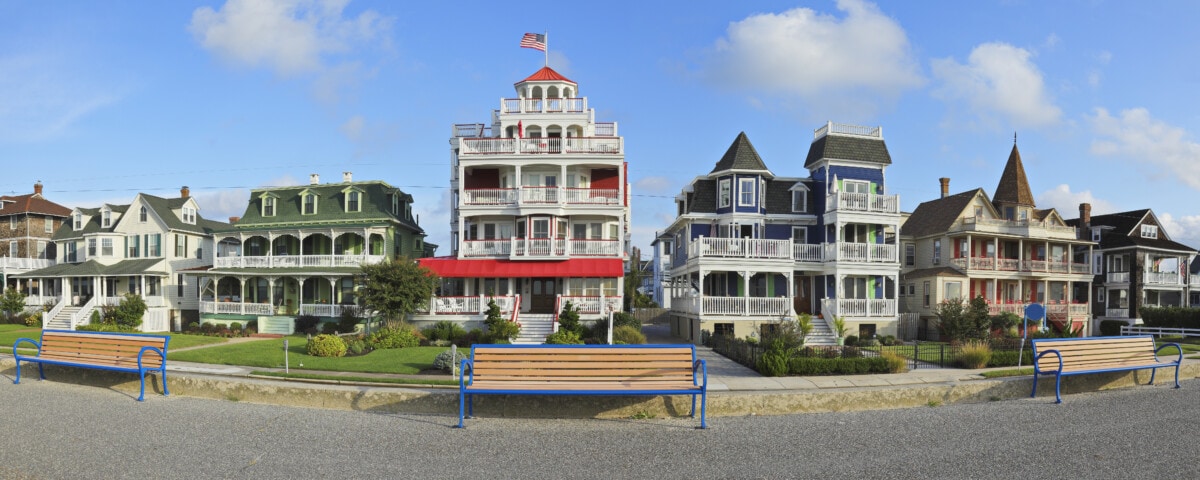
[(557, 311), (86, 309), (55, 311)]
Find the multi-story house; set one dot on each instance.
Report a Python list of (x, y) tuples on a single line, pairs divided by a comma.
[(660, 269), (540, 211), (143, 248), (27, 225), (752, 248), (1136, 264), (1002, 248), (298, 250)]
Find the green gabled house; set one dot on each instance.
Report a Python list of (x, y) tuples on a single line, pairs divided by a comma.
[(298, 250)]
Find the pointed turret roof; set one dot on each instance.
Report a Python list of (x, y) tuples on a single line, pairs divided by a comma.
[(1014, 186), (546, 74), (740, 156)]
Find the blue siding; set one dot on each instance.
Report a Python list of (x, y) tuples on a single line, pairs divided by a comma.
[(874, 175), (699, 229), (781, 289), (778, 232)]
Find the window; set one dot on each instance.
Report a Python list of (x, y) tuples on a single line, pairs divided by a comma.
[(352, 201), (1095, 234), (953, 291), (746, 192), (49, 225), (268, 207), (153, 284), (1149, 231), (91, 247), (560, 228), (72, 253), (12, 222), (978, 211), (579, 231), (179, 285), (180, 245), (1100, 295), (77, 222), (723, 329), (1098, 264), (925, 294), (1024, 214), (132, 242), (189, 215), (964, 248), (799, 235), (106, 218), (723, 193), (41, 249), (541, 228), (106, 247), (910, 255), (1118, 263), (310, 204), (154, 245), (12, 249), (799, 201), (937, 252), (142, 214), (1009, 213)]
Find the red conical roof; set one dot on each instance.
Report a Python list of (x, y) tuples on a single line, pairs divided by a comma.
[(546, 73)]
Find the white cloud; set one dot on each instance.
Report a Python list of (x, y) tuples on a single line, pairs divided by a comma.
[(1061, 198), (1152, 144), (353, 128), (813, 56), (219, 205), (652, 185), (1185, 229), (999, 85)]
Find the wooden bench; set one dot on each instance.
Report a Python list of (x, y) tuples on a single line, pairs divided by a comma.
[(121, 352), (582, 370), (1077, 356)]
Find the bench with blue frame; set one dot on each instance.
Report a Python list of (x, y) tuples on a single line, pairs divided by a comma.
[(582, 370), (120, 352), (1063, 357)]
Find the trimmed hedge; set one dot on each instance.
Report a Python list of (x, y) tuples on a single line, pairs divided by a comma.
[(1111, 328), (1171, 317), (1008, 358), (838, 366)]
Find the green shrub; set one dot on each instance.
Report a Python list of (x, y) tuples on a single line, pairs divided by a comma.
[(1005, 321), (235, 326), (327, 346), (329, 328), (1008, 358), (444, 330), (106, 327), (446, 361), (357, 346), (564, 337), (628, 335), (348, 320), (1111, 328), (851, 340), (307, 324), (399, 336), (973, 355), (95, 318), (895, 362), (499, 328), (838, 366), (34, 320), (568, 319)]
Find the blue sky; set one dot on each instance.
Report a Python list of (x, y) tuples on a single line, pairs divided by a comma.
[(101, 100)]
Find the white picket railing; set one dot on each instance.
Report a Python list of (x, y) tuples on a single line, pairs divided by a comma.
[(1116, 312), (17, 263), (863, 202), (741, 248), (1118, 277), (808, 252), (854, 307), (521, 146), (593, 196), (468, 305), (1164, 278), (84, 314), (591, 305), (487, 248), (295, 261), (489, 196)]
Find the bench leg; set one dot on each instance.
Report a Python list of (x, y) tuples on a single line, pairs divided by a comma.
[(1153, 371), (142, 393), (1177, 376), (703, 404), (1058, 388), (461, 406), (163, 372), (1034, 392), (18, 379), (693, 412)]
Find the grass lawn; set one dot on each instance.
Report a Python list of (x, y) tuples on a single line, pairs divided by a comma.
[(269, 354), (400, 381), (10, 333), (1012, 372)]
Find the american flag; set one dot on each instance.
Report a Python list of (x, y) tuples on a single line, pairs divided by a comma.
[(535, 41)]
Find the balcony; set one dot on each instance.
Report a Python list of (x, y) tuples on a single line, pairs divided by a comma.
[(12, 263), (517, 248), (543, 105), (1164, 278), (740, 248), (593, 305), (1118, 277), (468, 305), (859, 307), (538, 146), (861, 252), (1116, 312), (1015, 265), (862, 202), (1024, 228), (541, 196), (764, 249), (733, 306), (296, 261), (240, 308)]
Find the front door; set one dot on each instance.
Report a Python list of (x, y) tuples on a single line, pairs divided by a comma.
[(543, 292), (802, 299)]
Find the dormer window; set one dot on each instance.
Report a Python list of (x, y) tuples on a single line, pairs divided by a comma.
[(189, 215), (309, 202), (77, 222), (268, 206), (353, 201), (1095, 234), (142, 214), (799, 201), (395, 204), (106, 218), (1149, 231)]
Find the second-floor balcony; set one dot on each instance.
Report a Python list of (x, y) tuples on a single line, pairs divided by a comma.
[(1117, 277), (517, 248), (296, 261), (1025, 228), (1018, 265), (757, 248), (16, 263), (862, 202), (1164, 278), (541, 196), (547, 145)]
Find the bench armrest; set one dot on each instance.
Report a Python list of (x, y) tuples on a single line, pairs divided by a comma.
[(1038, 369), (701, 366), (29, 340), (465, 378), (1177, 347), (160, 353)]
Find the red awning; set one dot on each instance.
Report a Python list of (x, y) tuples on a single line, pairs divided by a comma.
[(449, 267)]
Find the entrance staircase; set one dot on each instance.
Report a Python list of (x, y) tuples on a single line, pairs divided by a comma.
[(534, 328), (61, 321), (822, 333)]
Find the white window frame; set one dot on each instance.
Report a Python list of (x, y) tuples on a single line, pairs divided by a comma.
[(1100, 295), (142, 215), (724, 193), (946, 290), (12, 222), (799, 199), (746, 195), (189, 215), (910, 254), (106, 218), (106, 247), (304, 204), (937, 252), (1149, 231), (269, 205), (13, 248), (799, 235), (49, 225), (353, 201), (41, 249)]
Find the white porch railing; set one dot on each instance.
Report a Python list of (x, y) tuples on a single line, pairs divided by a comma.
[(594, 247), (590, 305), (237, 308), (1118, 277), (58, 306), (733, 306), (322, 310), (1116, 312), (860, 252), (296, 261), (16, 263), (741, 248), (593, 196), (41, 300), (468, 305), (854, 307), (521, 146), (486, 248), (84, 314), (1164, 278), (489, 196), (539, 195), (808, 252), (1018, 227), (863, 202), (153, 301)]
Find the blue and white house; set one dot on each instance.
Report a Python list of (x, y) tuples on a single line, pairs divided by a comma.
[(750, 248)]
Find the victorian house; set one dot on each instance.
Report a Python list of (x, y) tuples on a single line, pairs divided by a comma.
[(142, 248), (1136, 263), (27, 225), (749, 248), (298, 250), (540, 211), (1002, 248)]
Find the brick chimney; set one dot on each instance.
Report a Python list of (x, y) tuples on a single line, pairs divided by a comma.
[(314, 179), (945, 181), (37, 188), (233, 220), (184, 192), (1085, 220)]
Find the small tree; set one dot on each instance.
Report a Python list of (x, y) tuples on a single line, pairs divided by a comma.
[(12, 303), (130, 311), (963, 322), (499, 328), (568, 319), (396, 288)]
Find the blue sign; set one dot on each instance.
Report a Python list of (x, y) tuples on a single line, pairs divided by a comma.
[(1035, 311)]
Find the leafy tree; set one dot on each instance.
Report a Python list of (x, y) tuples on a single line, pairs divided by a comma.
[(963, 322), (568, 319), (127, 315), (633, 279), (499, 328), (12, 303), (396, 288)]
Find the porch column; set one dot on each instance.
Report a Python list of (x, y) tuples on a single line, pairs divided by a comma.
[(970, 251), (746, 293), (1046, 259), (241, 294), (271, 294), (1020, 253), (519, 182), (791, 290), (562, 182), (700, 297), (995, 253)]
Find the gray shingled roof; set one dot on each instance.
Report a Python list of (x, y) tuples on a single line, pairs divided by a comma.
[(1125, 232), (936, 216), (703, 198), (842, 147), (779, 197), (740, 156)]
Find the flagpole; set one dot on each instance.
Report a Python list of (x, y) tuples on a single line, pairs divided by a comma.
[(546, 35)]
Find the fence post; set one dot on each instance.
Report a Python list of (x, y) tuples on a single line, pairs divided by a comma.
[(916, 353), (942, 357)]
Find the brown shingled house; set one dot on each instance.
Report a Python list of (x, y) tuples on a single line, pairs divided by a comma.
[(27, 222)]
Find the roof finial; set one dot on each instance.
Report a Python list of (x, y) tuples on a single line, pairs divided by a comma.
[(1014, 138)]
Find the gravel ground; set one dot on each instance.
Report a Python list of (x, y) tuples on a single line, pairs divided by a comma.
[(58, 430)]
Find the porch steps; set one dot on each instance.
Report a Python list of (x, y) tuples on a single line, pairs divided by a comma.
[(822, 333), (62, 321), (534, 328)]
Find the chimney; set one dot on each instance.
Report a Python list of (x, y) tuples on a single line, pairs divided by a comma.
[(37, 188), (233, 220), (1085, 218), (184, 192), (945, 186), (314, 179), (347, 177)]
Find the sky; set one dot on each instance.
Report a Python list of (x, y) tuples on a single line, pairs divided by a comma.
[(102, 100)]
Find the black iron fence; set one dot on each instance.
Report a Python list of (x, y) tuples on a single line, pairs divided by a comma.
[(920, 354)]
